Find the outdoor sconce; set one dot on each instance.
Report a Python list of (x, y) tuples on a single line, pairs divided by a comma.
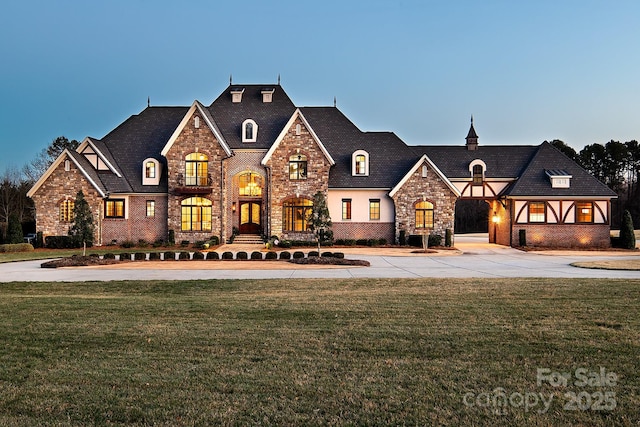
[(233, 206), (495, 218)]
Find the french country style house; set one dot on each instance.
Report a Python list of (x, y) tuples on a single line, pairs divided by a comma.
[(251, 162)]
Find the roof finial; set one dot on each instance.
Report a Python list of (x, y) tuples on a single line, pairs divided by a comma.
[(335, 102), (230, 79), (472, 119), (148, 101), (278, 79)]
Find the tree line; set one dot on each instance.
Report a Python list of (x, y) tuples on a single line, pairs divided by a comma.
[(614, 163)]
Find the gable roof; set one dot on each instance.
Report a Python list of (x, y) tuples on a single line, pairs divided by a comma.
[(271, 117), (427, 160), (534, 181)]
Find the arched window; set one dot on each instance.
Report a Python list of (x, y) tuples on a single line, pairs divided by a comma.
[(150, 171), (298, 166), (196, 167), (360, 163), (196, 214), (477, 168), (66, 210), (250, 184), (249, 131), (296, 213), (424, 215)]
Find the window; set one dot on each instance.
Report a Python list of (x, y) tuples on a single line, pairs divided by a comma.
[(478, 175), (425, 171), (114, 208), (424, 215), (196, 214), (67, 165), (249, 131), (346, 208), (298, 129), (374, 209), (584, 212), (250, 184), (537, 212), (196, 169), (151, 208), (150, 169), (196, 122), (360, 163), (66, 210), (298, 166), (296, 213)]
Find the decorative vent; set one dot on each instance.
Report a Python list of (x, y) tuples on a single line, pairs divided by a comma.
[(236, 95), (559, 178), (267, 94)]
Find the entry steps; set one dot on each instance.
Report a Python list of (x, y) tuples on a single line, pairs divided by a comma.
[(248, 239)]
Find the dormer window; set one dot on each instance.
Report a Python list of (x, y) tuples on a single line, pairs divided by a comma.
[(559, 178), (150, 172), (477, 169), (236, 95), (267, 94), (360, 163), (249, 131)]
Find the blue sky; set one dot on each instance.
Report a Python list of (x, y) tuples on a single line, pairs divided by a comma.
[(526, 70)]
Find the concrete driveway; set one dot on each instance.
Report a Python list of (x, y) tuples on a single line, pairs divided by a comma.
[(476, 258)]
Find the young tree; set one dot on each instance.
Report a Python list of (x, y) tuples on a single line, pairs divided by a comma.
[(319, 220), (627, 236), (83, 228), (14, 232), (39, 165)]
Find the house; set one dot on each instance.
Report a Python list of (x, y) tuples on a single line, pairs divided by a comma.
[(251, 161)]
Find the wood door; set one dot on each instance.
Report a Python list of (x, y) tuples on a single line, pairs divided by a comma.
[(249, 218)]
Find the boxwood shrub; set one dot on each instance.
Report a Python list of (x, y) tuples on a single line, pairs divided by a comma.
[(154, 256), (125, 256), (198, 255), (242, 255), (109, 255), (271, 255), (313, 253), (285, 255), (184, 255), (227, 255), (256, 255), (16, 247), (298, 255), (213, 255), (140, 256), (327, 254), (170, 256)]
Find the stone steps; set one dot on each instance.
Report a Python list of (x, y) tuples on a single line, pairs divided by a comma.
[(248, 239)]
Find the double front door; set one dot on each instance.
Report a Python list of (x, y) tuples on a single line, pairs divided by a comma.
[(250, 218)]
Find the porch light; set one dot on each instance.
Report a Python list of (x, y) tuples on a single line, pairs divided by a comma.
[(233, 206), (495, 218)]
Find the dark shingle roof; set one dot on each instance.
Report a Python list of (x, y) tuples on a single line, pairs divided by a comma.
[(534, 180), (270, 116), (140, 137), (506, 161), (389, 157)]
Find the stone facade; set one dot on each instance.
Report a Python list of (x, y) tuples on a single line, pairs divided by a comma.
[(200, 140), (431, 189), (283, 188)]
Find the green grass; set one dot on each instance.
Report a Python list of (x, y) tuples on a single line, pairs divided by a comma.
[(312, 352), (60, 253)]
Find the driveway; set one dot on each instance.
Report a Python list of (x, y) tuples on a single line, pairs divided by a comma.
[(475, 258)]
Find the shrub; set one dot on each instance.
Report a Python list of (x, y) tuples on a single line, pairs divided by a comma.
[(242, 255), (256, 255), (142, 243), (286, 244), (448, 237), (522, 237), (200, 244), (327, 254), (184, 255), (627, 236), (184, 243), (213, 255), (14, 230), (313, 253), (125, 256), (170, 256), (140, 256), (285, 255), (227, 255), (435, 240), (127, 244), (109, 255), (339, 242), (298, 255), (198, 255), (172, 238), (338, 255), (214, 241), (402, 239), (158, 243), (39, 243), (154, 256), (94, 255), (382, 242), (349, 242), (362, 242), (271, 255), (415, 240), (58, 242), (16, 247)]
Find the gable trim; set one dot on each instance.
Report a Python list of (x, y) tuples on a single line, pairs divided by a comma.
[(208, 120), (286, 128), (89, 142), (414, 169), (63, 156)]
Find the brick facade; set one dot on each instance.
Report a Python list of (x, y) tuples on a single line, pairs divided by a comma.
[(432, 189), (364, 230), (558, 235), (138, 226), (283, 188)]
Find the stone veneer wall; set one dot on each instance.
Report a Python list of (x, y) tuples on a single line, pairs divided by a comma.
[(282, 188), (243, 161), (431, 189), (192, 140), (59, 186), (137, 226)]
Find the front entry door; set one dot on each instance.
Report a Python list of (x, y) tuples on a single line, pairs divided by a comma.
[(249, 217)]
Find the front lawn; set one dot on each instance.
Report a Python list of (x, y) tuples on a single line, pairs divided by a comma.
[(321, 352)]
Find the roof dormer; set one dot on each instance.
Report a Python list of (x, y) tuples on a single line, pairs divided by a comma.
[(559, 178), (236, 95), (267, 94)]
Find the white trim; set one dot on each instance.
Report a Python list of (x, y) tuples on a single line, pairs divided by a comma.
[(158, 171), (413, 170), (280, 137), (208, 120), (89, 142), (63, 156)]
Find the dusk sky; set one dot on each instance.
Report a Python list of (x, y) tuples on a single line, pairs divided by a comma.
[(526, 70)]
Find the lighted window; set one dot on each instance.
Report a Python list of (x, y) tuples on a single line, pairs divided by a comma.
[(151, 208), (584, 212), (150, 170), (346, 208), (478, 175), (374, 209), (114, 208), (196, 214), (298, 167), (424, 215), (250, 184), (537, 211), (361, 164), (66, 210), (196, 167), (296, 213)]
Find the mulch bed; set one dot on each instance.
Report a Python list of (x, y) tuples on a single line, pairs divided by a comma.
[(314, 260), (78, 261)]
